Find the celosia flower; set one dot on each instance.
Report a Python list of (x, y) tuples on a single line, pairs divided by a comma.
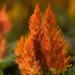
[(28, 51), (4, 28), (45, 43), (35, 26), (56, 57), (4, 21), (26, 58)]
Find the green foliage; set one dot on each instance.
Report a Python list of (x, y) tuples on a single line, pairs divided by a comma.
[(6, 61), (1, 72), (71, 71)]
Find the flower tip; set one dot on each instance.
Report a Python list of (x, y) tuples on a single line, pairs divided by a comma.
[(37, 5), (37, 8), (49, 8), (49, 5)]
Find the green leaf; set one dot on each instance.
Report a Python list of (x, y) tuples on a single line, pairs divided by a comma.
[(7, 61), (71, 71)]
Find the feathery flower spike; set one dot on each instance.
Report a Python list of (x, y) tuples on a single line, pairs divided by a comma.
[(58, 51), (35, 26), (35, 21), (27, 51), (4, 28), (26, 58)]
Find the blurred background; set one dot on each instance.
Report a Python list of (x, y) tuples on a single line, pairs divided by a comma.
[(19, 12)]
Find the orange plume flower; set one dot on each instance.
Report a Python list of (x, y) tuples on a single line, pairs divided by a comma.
[(4, 28), (36, 27), (45, 44), (26, 58), (28, 51), (57, 53)]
